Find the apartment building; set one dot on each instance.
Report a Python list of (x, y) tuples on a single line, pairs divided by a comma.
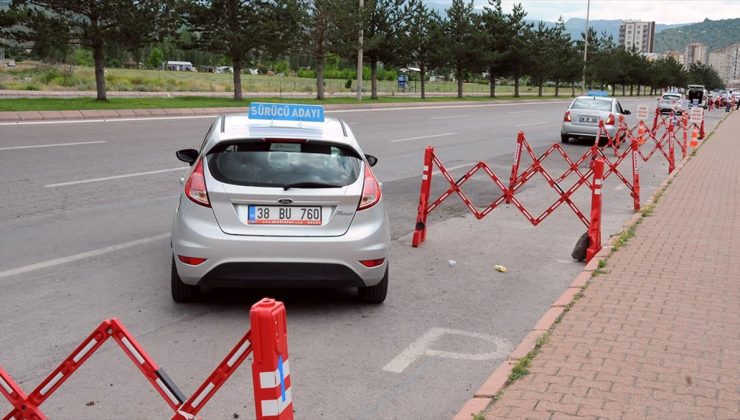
[(696, 52), (726, 62), (637, 34)]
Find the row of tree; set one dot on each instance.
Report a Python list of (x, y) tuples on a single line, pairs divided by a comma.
[(463, 42)]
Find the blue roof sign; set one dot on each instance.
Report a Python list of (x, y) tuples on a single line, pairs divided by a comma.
[(597, 93), (286, 112)]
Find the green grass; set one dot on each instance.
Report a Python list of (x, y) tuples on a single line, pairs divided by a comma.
[(61, 104)]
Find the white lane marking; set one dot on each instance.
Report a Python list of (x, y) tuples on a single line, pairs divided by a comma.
[(412, 108), (452, 168), (620, 187), (420, 348), (129, 119), (522, 112), (531, 124), (423, 137), (37, 146), (108, 178), (449, 117), (81, 256)]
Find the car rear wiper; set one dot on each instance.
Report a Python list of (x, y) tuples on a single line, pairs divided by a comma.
[(310, 185)]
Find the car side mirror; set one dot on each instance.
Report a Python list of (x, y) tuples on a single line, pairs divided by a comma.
[(188, 156), (371, 160), (626, 112)]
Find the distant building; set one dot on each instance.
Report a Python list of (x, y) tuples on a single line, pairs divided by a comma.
[(696, 53), (637, 34), (676, 55), (726, 62)]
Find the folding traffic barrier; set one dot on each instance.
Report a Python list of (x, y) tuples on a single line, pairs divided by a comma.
[(267, 340)]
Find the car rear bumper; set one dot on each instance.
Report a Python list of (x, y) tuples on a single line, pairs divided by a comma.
[(575, 130), (270, 261)]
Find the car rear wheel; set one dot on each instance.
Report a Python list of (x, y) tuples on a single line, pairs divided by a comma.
[(563, 138), (181, 292), (374, 294)]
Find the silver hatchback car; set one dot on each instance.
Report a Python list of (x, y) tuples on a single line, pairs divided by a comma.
[(276, 201), (581, 119)]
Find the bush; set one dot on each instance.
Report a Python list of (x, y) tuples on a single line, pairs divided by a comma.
[(83, 57)]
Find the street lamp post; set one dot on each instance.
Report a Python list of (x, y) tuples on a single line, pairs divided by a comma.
[(585, 49)]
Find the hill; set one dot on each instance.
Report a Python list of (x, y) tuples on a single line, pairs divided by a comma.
[(576, 26), (713, 33)]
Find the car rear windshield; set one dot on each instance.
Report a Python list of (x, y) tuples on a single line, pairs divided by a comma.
[(271, 163), (590, 103), (671, 97)]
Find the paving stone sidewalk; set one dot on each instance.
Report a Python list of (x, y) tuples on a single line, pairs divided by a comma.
[(658, 336)]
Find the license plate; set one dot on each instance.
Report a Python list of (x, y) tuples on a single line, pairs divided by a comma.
[(587, 119), (284, 215)]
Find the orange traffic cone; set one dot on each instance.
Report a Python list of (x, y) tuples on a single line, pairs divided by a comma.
[(694, 136), (641, 133)]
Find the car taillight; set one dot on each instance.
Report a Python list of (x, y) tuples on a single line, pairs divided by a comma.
[(195, 186), (191, 260), (566, 118), (370, 190), (610, 120)]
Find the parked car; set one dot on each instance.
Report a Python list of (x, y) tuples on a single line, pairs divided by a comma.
[(581, 119), (274, 203), (672, 102)]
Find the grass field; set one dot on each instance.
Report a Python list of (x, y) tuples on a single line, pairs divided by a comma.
[(35, 76)]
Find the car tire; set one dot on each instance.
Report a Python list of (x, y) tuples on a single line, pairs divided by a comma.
[(564, 138), (374, 294), (181, 292)]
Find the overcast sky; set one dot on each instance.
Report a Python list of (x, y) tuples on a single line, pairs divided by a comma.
[(660, 11)]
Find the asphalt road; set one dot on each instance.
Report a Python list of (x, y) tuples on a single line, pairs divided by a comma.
[(85, 221)]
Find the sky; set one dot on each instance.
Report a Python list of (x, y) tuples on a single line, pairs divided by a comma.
[(660, 11)]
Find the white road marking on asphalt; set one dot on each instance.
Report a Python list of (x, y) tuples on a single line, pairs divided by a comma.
[(522, 112), (620, 187), (189, 117), (80, 256), (36, 146), (531, 124), (452, 168), (421, 108), (448, 118), (420, 348), (423, 137), (108, 178)]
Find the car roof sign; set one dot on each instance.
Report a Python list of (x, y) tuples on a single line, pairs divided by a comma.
[(286, 112), (597, 93)]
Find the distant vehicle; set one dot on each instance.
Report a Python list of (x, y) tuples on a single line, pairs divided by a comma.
[(224, 69), (581, 119), (179, 66), (671, 102), (697, 94), (10, 63)]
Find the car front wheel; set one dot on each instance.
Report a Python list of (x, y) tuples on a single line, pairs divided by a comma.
[(374, 294), (181, 292)]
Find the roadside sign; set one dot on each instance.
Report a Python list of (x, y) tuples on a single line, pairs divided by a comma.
[(697, 115), (286, 112), (642, 112), (597, 93)]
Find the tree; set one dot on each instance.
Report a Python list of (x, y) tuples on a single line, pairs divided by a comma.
[(239, 29), (566, 63), (328, 26), (421, 34), (541, 49), (155, 59), (701, 74), (97, 25), (460, 48), (494, 40), (381, 30), (518, 57)]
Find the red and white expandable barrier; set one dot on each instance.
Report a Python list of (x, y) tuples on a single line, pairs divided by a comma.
[(267, 340)]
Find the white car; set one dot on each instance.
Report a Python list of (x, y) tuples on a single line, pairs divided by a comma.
[(272, 201), (672, 102)]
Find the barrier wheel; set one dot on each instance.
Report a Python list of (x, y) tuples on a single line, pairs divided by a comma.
[(563, 138), (374, 294), (579, 251), (181, 292)]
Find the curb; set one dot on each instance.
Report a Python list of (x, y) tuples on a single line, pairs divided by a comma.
[(112, 114), (499, 379)]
